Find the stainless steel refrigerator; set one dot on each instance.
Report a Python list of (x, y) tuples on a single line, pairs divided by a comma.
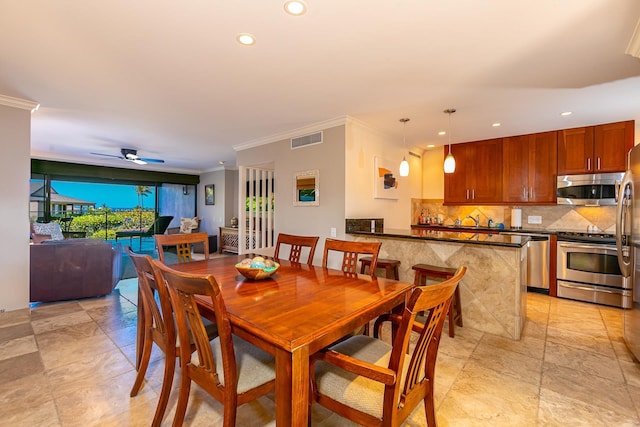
[(627, 242)]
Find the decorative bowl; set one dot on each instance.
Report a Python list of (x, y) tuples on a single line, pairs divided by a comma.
[(256, 273)]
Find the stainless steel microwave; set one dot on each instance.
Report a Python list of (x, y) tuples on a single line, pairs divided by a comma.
[(598, 189)]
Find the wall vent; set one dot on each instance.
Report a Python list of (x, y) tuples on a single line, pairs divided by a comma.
[(411, 153), (303, 141)]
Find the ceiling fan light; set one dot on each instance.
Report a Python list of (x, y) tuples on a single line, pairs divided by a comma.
[(138, 161), (404, 167)]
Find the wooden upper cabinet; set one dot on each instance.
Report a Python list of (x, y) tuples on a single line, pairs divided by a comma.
[(594, 149), (476, 179), (612, 142), (529, 171)]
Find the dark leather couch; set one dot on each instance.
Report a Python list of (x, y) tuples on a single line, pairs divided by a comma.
[(74, 268)]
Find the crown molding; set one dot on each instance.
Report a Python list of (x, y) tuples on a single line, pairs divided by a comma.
[(633, 48), (24, 104), (315, 127)]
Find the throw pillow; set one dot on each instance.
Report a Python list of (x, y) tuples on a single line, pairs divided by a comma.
[(187, 225), (52, 228)]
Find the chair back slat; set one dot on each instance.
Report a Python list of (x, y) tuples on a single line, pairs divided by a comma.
[(183, 243), (297, 243), (351, 251)]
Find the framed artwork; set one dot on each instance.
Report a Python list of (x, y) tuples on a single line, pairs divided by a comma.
[(306, 188), (385, 184), (209, 195)]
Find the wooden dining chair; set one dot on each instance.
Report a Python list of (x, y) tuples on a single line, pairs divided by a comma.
[(376, 384), (232, 370), (297, 243), (350, 252), (183, 244), (156, 325)]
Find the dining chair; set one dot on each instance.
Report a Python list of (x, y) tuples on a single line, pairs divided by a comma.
[(183, 244), (297, 244), (350, 252), (156, 325), (229, 368), (373, 383)]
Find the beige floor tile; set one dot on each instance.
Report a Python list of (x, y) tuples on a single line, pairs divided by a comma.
[(54, 309), (587, 388), (15, 331), (483, 397), (103, 400), (519, 366), (52, 323), (527, 345), (72, 351), (20, 366), (43, 415), (631, 372), (583, 361), (561, 411), (15, 317), (595, 343), (17, 347), (24, 393)]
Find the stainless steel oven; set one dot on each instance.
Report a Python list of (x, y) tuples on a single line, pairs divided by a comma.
[(588, 270)]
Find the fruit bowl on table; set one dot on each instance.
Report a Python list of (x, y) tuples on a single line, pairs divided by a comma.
[(257, 273)]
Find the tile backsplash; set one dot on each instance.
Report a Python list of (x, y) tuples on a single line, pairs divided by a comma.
[(561, 217)]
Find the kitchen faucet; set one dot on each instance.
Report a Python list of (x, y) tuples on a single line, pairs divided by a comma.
[(476, 219)]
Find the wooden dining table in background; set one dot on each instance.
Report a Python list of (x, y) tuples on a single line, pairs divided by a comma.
[(294, 313)]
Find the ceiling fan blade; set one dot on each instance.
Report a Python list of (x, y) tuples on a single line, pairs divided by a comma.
[(151, 160), (107, 155)]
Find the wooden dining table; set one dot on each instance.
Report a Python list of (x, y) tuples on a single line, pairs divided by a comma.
[(293, 314)]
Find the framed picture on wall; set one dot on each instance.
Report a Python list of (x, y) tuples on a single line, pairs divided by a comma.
[(209, 195)]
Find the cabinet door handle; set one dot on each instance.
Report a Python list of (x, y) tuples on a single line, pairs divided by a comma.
[(524, 193), (598, 163), (531, 193), (473, 194), (588, 163), (467, 194)]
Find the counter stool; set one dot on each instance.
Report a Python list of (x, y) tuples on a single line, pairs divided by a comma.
[(424, 271), (390, 266)]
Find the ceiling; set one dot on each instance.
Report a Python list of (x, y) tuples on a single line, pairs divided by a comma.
[(169, 79)]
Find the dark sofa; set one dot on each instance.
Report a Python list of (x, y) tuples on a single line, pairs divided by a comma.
[(74, 268)]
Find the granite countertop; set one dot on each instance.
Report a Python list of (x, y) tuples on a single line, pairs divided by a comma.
[(466, 236), (484, 229)]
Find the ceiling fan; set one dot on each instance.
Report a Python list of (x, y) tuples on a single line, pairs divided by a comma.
[(131, 155)]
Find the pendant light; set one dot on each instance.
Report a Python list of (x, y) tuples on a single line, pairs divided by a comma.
[(404, 165), (449, 161)]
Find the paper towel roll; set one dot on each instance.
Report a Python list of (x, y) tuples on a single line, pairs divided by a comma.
[(516, 218)]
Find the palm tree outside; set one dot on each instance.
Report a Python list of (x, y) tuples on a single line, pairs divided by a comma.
[(142, 191)]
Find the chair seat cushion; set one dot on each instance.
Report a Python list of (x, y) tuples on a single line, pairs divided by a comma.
[(254, 366), (353, 390)]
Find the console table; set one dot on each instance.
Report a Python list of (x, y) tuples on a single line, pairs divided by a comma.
[(229, 239)]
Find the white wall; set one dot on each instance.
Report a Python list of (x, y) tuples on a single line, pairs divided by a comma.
[(433, 173), (15, 172), (362, 145), (329, 159), (219, 214)]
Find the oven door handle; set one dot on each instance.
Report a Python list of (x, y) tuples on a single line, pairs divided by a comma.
[(596, 248), (584, 288)]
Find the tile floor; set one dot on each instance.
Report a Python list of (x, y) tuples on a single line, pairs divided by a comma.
[(71, 364)]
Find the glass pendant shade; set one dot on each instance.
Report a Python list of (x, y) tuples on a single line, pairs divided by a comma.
[(404, 167), (449, 163)]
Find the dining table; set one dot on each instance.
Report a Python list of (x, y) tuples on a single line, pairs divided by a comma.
[(292, 314)]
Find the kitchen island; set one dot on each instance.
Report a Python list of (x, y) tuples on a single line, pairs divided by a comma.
[(493, 291)]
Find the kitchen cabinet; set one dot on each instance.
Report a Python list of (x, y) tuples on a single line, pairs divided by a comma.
[(529, 168), (595, 149), (477, 178)]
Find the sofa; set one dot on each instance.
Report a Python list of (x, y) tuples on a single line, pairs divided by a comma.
[(73, 269)]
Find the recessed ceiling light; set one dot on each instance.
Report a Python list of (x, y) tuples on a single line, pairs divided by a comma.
[(495, 125), (566, 113), (246, 39), (442, 133), (221, 162), (295, 8), (430, 146)]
